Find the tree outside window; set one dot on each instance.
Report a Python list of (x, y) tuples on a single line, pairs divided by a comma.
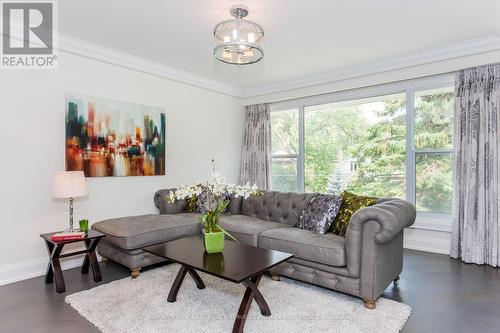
[(361, 146)]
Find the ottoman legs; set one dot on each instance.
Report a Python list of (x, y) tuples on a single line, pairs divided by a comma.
[(369, 303), (275, 277), (134, 272)]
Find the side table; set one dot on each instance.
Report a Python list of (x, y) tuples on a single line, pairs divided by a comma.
[(54, 249)]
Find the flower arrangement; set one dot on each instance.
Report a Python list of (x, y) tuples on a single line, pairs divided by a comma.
[(218, 192)]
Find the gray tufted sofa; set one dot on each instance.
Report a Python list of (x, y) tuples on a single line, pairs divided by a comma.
[(362, 264)]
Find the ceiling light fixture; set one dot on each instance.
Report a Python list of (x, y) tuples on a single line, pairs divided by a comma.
[(238, 41)]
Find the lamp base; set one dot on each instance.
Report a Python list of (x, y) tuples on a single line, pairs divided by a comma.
[(71, 215)]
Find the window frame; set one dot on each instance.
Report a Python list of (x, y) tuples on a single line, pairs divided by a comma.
[(425, 220), (300, 170)]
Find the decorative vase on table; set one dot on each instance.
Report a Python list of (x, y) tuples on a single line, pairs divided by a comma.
[(217, 192), (214, 241), (213, 234), (84, 225)]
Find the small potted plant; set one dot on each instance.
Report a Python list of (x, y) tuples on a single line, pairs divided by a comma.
[(213, 234), (84, 225), (218, 193)]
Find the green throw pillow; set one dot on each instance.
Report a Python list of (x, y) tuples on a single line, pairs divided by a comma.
[(351, 203), (191, 204)]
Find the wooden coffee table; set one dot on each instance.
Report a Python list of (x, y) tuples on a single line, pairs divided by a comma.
[(238, 263)]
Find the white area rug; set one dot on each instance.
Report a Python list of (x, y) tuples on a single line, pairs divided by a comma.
[(140, 305)]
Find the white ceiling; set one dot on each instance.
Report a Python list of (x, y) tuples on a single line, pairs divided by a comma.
[(302, 38)]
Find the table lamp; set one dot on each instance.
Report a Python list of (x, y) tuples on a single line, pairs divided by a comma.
[(69, 185)]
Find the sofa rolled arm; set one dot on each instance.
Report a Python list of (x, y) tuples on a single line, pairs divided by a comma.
[(374, 227), (165, 206), (393, 215), (160, 195)]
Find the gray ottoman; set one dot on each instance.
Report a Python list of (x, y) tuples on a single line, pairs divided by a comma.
[(127, 236)]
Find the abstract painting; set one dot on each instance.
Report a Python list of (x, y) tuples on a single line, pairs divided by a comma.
[(112, 138)]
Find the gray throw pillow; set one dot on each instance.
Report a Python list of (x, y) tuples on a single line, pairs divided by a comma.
[(167, 207), (319, 213), (202, 202)]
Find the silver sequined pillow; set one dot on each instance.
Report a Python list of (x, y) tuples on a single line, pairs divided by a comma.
[(319, 213), (202, 202)]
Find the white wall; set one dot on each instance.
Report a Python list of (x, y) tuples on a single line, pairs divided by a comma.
[(200, 125), (424, 236)]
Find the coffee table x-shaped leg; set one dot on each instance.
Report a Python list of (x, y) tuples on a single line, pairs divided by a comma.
[(251, 293)]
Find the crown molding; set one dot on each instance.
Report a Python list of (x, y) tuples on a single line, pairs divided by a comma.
[(86, 49), (448, 52), (70, 44)]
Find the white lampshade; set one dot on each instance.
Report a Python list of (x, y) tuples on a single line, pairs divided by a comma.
[(69, 184)]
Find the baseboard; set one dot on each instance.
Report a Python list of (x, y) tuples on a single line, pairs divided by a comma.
[(427, 249), (427, 241), (33, 268)]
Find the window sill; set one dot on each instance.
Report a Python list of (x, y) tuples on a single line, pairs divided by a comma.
[(433, 221)]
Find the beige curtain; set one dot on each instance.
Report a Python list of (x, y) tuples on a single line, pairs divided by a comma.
[(255, 156), (476, 205)]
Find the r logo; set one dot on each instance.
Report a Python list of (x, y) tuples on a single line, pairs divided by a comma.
[(36, 22)]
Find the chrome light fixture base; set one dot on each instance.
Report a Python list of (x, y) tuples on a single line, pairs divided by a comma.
[(239, 11)]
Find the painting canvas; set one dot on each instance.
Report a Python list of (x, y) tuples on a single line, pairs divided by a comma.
[(112, 138)]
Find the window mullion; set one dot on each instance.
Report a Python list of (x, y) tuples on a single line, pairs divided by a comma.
[(300, 160), (410, 146)]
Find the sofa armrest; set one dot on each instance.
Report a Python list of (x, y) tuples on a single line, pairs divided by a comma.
[(393, 215), (166, 207), (374, 228)]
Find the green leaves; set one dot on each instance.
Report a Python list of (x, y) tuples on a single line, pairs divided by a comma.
[(221, 207), (210, 220), (227, 233)]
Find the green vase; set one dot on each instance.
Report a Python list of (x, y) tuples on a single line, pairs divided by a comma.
[(84, 225), (214, 241)]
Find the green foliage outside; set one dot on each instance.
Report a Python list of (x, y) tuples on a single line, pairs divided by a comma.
[(284, 141), (362, 148)]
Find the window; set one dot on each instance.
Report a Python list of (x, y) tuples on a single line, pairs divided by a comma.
[(433, 150), (284, 150), (357, 146), (387, 141)]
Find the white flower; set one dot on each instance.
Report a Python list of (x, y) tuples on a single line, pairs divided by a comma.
[(171, 196), (216, 186)]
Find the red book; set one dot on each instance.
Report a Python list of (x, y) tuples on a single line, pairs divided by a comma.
[(64, 236), (59, 239)]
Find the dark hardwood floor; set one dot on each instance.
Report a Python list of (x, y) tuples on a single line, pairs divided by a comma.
[(445, 295)]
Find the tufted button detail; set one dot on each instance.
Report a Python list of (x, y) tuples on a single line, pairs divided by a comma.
[(276, 206)]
